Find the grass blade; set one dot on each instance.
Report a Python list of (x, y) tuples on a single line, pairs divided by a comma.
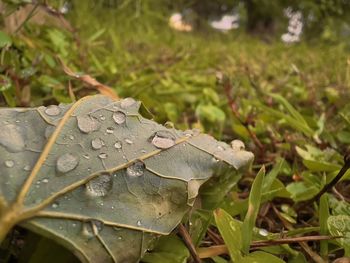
[(230, 231), (253, 209), (323, 217)]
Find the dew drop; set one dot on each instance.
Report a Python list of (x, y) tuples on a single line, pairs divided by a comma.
[(214, 160), (45, 181), (100, 186), (49, 131), (53, 110), (128, 141), (188, 133), (86, 156), (263, 232), (102, 117), (97, 226), (237, 145), (71, 137), (9, 163), (87, 230), (97, 143), (220, 148), (127, 102), (119, 117), (74, 224), (103, 155), (136, 169), (110, 130), (163, 139), (87, 124), (54, 205), (26, 167), (118, 145), (12, 138), (66, 162), (139, 222)]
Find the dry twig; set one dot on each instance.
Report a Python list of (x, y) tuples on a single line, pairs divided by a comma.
[(188, 241)]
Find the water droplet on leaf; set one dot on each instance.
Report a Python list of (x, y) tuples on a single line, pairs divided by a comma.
[(26, 168), (128, 141), (109, 130), (263, 232), (97, 143), (118, 145), (100, 186), (12, 138), (220, 148), (87, 124), (139, 223), (237, 145), (66, 162), (136, 169), (54, 205), (9, 163), (103, 155), (127, 102), (49, 131), (119, 117), (163, 139), (53, 110)]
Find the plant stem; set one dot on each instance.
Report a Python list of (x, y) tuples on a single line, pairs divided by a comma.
[(7, 221)]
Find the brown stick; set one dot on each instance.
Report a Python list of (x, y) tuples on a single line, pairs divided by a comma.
[(188, 241), (222, 249)]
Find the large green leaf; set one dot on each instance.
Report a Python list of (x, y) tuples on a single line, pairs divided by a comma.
[(98, 178)]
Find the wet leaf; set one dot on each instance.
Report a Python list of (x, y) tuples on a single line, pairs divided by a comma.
[(74, 174)]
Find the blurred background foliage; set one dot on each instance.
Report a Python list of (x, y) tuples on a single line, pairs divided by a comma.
[(289, 102)]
